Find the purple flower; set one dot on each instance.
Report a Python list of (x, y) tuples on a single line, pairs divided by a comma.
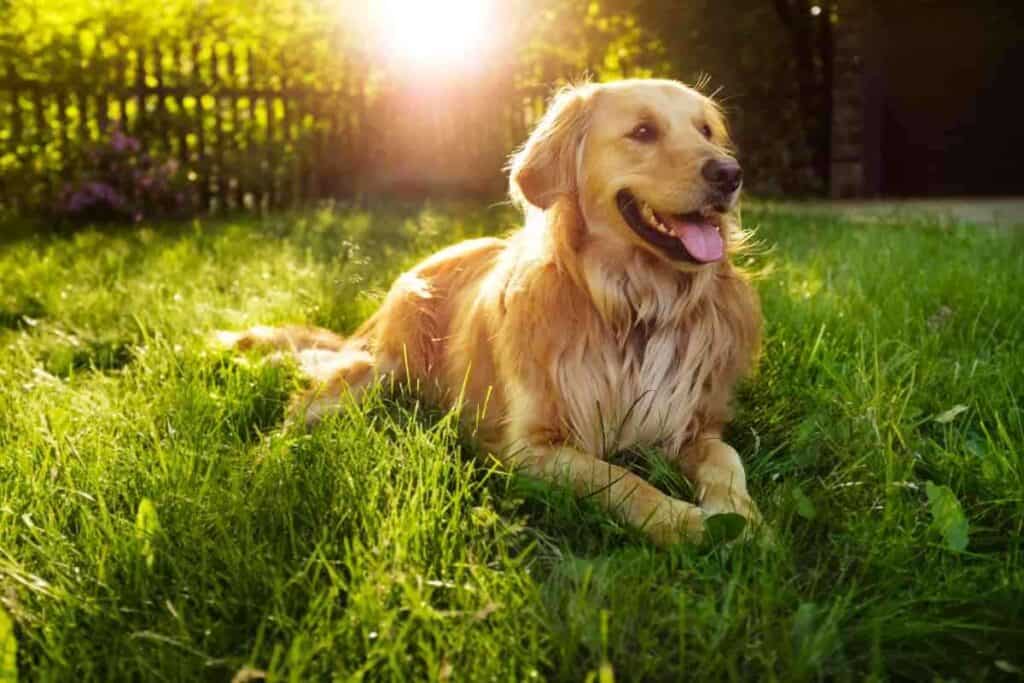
[(92, 194), (120, 179), (105, 193), (78, 201), (124, 143)]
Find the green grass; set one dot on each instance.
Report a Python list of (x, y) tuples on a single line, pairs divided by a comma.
[(155, 525)]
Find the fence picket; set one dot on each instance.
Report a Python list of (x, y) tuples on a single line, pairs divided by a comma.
[(160, 110), (103, 87), (254, 156), (14, 141), (218, 128), (184, 155), (81, 98), (14, 95), (142, 116), (121, 88), (61, 102), (237, 180), (42, 135), (202, 161), (289, 184), (270, 152)]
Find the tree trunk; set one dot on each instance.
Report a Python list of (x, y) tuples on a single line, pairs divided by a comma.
[(811, 38)]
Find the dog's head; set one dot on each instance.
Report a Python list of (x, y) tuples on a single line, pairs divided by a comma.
[(648, 162)]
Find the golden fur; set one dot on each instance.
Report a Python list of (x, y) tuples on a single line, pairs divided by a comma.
[(575, 337)]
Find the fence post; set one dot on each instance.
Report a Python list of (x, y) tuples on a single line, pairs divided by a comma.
[(250, 140), (218, 125), (43, 135), (142, 127), (288, 138), (121, 66), (269, 152), (362, 132), (178, 59), (162, 118), (82, 95), (314, 144), (102, 103), (332, 146), (62, 123), (202, 161), (16, 199), (235, 146)]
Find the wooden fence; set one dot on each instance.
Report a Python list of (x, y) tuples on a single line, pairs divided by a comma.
[(248, 133)]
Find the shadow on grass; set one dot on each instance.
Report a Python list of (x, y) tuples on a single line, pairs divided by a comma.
[(94, 355), (21, 313)]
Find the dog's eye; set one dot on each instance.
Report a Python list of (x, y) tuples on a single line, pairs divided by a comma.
[(644, 132), (705, 130)]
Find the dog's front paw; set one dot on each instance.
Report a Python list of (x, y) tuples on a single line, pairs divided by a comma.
[(675, 521), (739, 516), (717, 503)]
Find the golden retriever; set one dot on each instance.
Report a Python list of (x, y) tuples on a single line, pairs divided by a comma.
[(613, 319)]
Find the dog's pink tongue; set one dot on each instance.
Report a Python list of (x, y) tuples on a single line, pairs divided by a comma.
[(701, 239)]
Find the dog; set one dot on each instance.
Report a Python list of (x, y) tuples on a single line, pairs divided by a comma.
[(614, 318)]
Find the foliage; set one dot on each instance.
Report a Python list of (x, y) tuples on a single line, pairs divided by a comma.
[(157, 524)]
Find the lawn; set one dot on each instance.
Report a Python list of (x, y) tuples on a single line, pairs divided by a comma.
[(155, 523)]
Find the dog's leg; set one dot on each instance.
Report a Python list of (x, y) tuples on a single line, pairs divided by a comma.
[(292, 338), (664, 519), (337, 377), (717, 472), (338, 369)]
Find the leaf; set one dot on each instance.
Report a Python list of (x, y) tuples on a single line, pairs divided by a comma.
[(948, 516), (147, 525), (814, 634), (804, 506), (1007, 666), (804, 624), (724, 527), (8, 650), (950, 415)]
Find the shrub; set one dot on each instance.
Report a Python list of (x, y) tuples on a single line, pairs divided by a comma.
[(119, 180)]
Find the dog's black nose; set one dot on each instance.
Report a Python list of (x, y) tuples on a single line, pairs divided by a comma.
[(725, 175)]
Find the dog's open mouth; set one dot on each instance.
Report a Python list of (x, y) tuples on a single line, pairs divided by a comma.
[(694, 236)]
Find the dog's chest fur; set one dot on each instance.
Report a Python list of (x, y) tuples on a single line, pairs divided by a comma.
[(644, 367)]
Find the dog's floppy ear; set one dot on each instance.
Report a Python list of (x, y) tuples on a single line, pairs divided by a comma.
[(545, 168)]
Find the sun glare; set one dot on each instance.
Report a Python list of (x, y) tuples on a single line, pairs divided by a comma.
[(442, 33)]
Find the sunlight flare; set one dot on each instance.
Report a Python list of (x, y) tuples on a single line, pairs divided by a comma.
[(436, 34)]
